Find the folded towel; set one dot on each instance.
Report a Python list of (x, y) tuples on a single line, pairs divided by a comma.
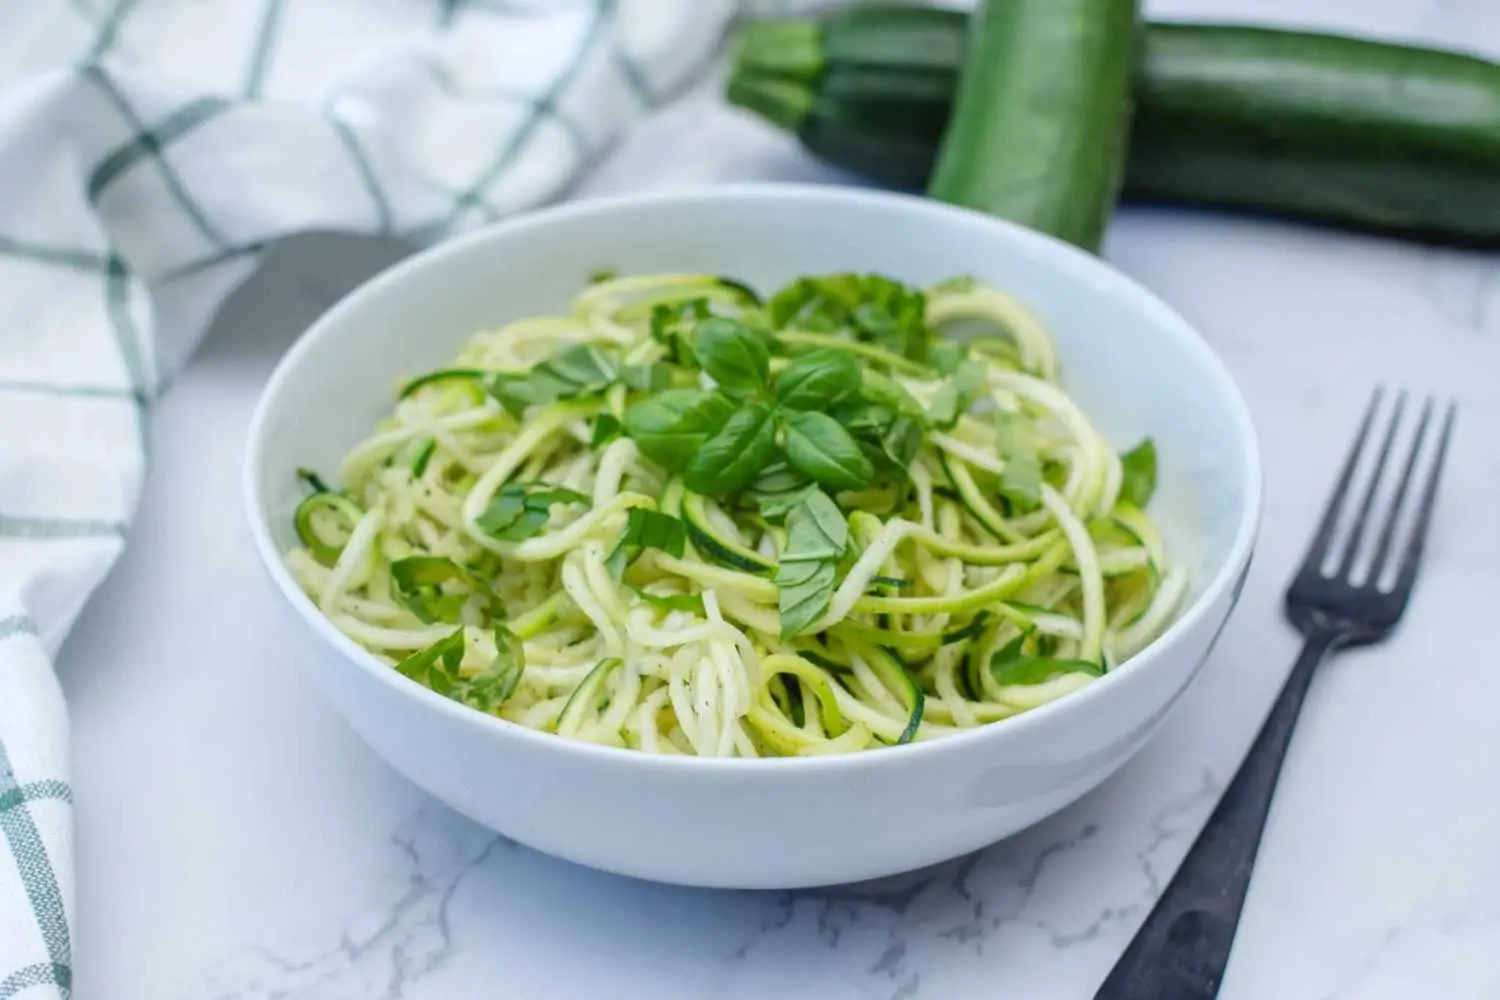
[(152, 151)]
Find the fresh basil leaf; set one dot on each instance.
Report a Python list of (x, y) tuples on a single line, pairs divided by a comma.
[(436, 588), (646, 529), (870, 308), (947, 356), (1039, 669), (956, 395), (490, 689), (821, 305), (600, 275), (731, 459), (817, 537), (436, 667), (583, 365), (313, 480), (606, 429), (520, 510), (647, 378), (672, 426), (818, 380), (733, 354), (672, 326), (574, 371), (900, 441), (775, 507), (818, 447), (671, 602), (1009, 665), (778, 477), (778, 489), (1021, 479), (889, 439), (1138, 469), (877, 387)]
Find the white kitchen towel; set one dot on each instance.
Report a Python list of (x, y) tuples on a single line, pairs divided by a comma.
[(151, 151)]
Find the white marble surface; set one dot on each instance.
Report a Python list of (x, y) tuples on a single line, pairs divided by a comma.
[(235, 840)]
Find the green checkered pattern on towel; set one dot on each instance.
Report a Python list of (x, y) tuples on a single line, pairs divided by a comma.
[(152, 152)]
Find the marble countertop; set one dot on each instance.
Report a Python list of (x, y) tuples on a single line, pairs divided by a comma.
[(235, 840)]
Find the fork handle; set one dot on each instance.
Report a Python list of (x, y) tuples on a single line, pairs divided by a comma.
[(1181, 951)]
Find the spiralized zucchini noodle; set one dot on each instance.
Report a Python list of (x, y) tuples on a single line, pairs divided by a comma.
[(686, 520)]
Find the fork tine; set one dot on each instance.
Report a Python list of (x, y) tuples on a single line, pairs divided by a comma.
[(1357, 533), (1317, 550), (1398, 501), (1412, 557)]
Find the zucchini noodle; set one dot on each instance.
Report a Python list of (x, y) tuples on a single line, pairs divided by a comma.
[(684, 520)]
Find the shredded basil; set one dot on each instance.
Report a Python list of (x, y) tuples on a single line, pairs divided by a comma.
[(817, 537), (1138, 474), (520, 510), (646, 529)]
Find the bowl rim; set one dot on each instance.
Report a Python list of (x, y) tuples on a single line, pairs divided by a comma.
[(1229, 577)]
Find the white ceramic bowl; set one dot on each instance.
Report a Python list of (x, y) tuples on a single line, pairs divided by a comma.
[(1133, 364)]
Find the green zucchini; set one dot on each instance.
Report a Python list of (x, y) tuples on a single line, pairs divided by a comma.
[(1040, 117), (1349, 132), (324, 521), (716, 545)]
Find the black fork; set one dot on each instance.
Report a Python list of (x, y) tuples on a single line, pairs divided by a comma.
[(1337, 600)]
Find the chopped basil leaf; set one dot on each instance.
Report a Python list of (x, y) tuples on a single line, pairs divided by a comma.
[(647, 378), (1138, 474), (646, 529), (1021, 479), (490, 688), (947, 356), (1010, 666), (572, 372), (817, 536), (671, 602), (436, 589), (606, 429), (672, 327), (436, 667), (956, 395), (870, 308), (520, 510), (672, 426), (600, 275)]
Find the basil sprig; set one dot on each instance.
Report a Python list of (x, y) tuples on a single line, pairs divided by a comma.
[(722, 439)]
